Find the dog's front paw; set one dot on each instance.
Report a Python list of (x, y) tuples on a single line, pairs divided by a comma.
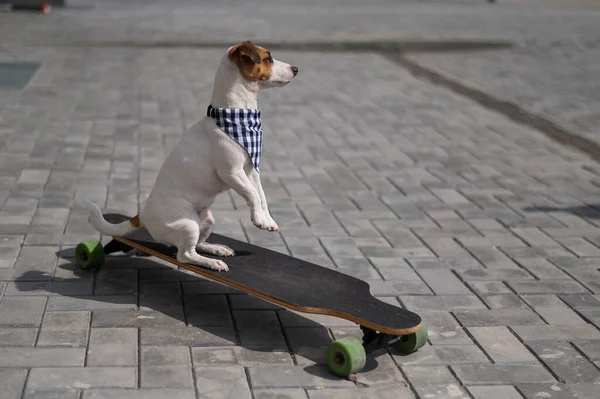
[(271, 225), (260, 220)]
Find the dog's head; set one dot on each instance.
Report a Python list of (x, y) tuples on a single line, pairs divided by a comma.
[(258, 66)]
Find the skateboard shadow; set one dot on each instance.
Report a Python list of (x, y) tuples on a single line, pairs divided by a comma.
[(142, 292)]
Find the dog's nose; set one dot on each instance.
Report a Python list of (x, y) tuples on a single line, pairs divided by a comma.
[(295, 70)]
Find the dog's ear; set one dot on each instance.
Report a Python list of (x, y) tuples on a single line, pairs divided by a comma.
[(245, 52)]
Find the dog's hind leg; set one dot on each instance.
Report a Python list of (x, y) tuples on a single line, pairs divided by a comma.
[(187, 233), (206, 225)]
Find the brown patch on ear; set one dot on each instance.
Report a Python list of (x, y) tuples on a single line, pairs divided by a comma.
[(254, 62), (245, 52)]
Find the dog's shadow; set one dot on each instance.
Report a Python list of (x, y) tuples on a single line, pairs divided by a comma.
[(158, 295)]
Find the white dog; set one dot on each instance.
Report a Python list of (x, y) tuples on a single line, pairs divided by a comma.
[(219, 152)]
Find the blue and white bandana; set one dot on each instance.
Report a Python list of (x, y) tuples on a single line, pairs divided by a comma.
[(244, 126)]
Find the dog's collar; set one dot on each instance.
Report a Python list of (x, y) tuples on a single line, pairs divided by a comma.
[(232, 112), (243, 125)]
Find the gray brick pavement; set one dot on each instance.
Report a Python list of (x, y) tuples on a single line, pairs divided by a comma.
[(418, 191)]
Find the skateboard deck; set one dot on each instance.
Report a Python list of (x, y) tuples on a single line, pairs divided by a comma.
[(287, 281)]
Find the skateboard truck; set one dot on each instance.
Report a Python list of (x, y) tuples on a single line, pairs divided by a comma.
[(373, 341)]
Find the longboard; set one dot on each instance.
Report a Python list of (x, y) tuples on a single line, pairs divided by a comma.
[(289, 282)]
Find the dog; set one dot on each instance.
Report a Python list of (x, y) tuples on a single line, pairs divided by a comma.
[(218, 153)]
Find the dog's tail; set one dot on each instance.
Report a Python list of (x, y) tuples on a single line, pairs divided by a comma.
[(97, 220)]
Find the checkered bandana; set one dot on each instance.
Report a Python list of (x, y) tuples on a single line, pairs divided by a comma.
[(242, 125)]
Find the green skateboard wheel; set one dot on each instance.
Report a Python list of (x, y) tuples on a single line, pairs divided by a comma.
[(345, 356), (89, 254), (411, 342)]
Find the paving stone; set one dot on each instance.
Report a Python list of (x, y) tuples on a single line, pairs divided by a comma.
[(426, 355), (547, 287), (442, 246), (556, 333), (308, 343), (543, 269), (580, 246), (455, 263), (294, 376), (41, 357), (64, 329), (443, 329), (222, 381), (460, 354), (259, 328), (399, 288), (428, 375), (112, 302), (504, 301), (391, 392), (39, 261), (583, 390), (482, 374), (443, 391), (21, 311), (497, 317), (566, 362), (534, 237), (248, 302), (208, 310), (206, 288), (62, 288), (113, 347), (380, 370), (163, 297), (444, 302), (12, 382), (293, 393), (189, 336), (116, 282), (559, 315), (444, 282), (494, 274), (580, 301), (290, 318), (255, 356), (489, 287), (214, 356), (138, 318), (166, 376), (493, 258), (17, 336), (501, 345), (139, 393), (554, 391), (58, 394), (83, 377), (591, 349), (494, 392), (542, 301)]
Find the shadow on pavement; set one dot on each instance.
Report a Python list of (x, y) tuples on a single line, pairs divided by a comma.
[(583, 211), (144, 293)]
